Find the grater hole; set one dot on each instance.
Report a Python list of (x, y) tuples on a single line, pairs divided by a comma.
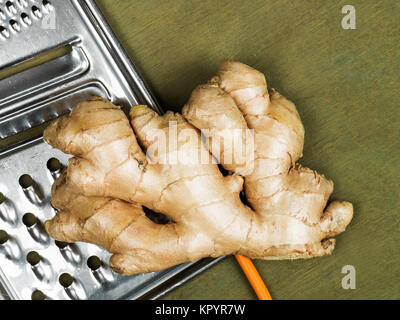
[(47, 4), (38, 295), (15, 25), (25, 181), (26, 19), (2, 15), (4, 32), (11, 8), (53, 165), (33, 258), (61, 244), (2, 198), (3, 237), (29, 220), (94, 263), (65, 280), (36, 12)]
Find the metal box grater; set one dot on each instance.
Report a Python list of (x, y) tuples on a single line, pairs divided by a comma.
[(32, 265)]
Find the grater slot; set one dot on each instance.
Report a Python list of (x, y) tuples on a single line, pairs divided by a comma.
[(36, 60), (16, 90), (41, 108)]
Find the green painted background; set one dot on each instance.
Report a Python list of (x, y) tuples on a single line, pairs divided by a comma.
[(345, 84)]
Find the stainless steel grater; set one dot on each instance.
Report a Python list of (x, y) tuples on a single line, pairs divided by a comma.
[(32, 265)]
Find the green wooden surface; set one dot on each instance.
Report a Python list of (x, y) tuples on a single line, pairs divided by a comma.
[(345, 84)]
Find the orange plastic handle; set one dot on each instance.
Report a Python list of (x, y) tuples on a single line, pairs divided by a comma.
[(254, 278)]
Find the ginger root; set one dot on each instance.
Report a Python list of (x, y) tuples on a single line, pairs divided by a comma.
[(101, 194)]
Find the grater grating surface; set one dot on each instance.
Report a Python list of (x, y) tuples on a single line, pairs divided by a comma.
[(31, 264)]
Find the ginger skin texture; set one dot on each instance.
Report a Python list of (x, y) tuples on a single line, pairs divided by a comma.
[(101, 194)]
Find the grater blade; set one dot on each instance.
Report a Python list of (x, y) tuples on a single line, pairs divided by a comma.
[(96, 65), (31, 264)]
